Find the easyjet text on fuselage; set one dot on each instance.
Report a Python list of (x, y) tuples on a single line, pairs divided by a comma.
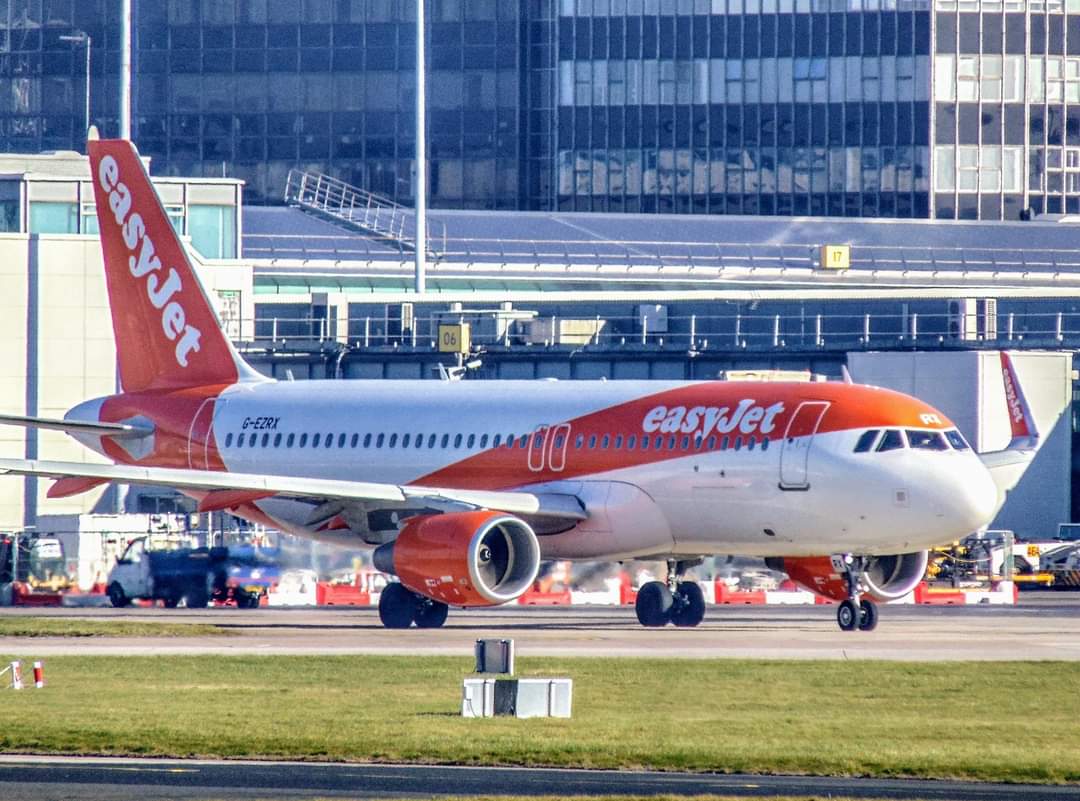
[(748, 417)]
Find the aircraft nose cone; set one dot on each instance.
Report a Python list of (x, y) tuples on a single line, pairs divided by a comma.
[(976, 497)]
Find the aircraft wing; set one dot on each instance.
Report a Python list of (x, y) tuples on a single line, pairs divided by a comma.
[(233, 489)]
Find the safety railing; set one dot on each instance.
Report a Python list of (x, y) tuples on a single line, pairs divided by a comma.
[(737, 330), (353, 206)]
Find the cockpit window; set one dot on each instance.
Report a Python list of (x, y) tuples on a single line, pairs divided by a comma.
[(956, 439), (892, 440), (867, 440), (927, 440)]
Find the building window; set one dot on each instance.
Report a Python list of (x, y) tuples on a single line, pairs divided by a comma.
[(945, 78), (967, 168), (54, 218), (990, 78), (213, 231), (967, 79)]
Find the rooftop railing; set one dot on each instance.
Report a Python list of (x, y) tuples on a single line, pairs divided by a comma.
[(692, 333), (353, 206)]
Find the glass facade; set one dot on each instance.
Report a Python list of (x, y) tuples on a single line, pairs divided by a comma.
[(1006, 108), (744, 107), (970, 108)]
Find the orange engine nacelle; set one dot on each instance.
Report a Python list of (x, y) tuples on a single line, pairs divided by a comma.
[(886, 577), (480, 558)]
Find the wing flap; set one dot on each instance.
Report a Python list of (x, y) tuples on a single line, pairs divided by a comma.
[(237, 484)]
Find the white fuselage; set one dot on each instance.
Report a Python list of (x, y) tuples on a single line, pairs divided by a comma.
[(699, 492)]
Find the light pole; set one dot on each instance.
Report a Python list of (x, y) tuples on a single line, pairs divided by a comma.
[(125, 69), (83, 38), (421, 154)]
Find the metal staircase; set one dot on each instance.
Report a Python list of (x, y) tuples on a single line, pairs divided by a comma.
[(353, 206)]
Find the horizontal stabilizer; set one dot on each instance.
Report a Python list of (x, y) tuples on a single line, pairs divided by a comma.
[(114, 430), (67, 487)]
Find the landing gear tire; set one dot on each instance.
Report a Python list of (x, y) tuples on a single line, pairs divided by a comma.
[(117, 597), (654, 604), (848, 616), (197, 597), (397, 606), (430, 614), (868, 615), (688, 609)]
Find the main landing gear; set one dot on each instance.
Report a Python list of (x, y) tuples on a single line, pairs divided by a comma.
[(853, 613), (679, 602), (400, 607)]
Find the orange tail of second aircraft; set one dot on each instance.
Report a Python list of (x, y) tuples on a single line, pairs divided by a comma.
[(167, 335)]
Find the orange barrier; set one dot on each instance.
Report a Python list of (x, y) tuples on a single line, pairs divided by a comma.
[(949, 597), (23, 595), (728, 596), (327, 594), (537, 598)]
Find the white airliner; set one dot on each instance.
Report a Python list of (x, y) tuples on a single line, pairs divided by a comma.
[(464, 487)]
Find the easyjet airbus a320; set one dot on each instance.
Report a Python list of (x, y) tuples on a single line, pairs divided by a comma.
[(462, 488)]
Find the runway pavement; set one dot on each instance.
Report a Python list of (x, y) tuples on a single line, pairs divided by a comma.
[(1044, 626), (38, 778)]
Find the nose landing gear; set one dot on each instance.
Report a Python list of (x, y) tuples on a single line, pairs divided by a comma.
[(854, 613), (679, 602)]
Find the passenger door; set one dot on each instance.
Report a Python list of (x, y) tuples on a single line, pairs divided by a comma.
[(795, 450)]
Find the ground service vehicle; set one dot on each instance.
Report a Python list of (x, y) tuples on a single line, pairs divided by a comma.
[(32, 566), (462, 487), (194, 576)]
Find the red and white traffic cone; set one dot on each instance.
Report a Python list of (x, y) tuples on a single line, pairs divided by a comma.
[(39, 675)]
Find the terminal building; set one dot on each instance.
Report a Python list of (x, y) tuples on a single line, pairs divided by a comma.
[(965, 109)]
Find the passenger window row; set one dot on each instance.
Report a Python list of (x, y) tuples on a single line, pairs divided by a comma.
[(446, 441), (893, 439), (414, 441), (670, 442)]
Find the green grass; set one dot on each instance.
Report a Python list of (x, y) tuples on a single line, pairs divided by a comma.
[(990, 721), (71, 627)]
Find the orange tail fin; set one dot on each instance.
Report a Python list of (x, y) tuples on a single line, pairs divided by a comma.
[(1021, 419), (167, 335)]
